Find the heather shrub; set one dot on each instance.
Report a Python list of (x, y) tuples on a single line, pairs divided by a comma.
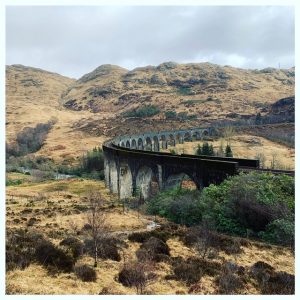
[(74, 245), (53, 257), (153, 249), (20, 248), (136, 274), (85, 273)]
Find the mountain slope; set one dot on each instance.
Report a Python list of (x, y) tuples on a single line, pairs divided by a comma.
[(91, 109), (33, 96), (207, 90)]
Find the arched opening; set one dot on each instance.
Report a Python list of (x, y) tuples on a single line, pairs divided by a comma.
[(127, 144), (196, 136), (125, 182), (155, 144), (205, 133), (187, 137), (163, 141), (146, 183), (180, 179), (148, 144), (140, 144), (178, 138), (133, 144), (122, 144), (171, 140)]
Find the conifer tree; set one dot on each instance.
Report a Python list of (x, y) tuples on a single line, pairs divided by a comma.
[(228, 151)]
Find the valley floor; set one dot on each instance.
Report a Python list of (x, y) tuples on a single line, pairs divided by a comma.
[(57, 209)]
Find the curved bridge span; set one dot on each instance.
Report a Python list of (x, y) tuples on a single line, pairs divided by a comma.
[(134, 166)]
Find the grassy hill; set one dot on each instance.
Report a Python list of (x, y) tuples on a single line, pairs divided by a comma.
[(103, 103)]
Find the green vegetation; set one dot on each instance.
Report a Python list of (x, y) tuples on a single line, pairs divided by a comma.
[(170, 114), (249, 205), (90, 165), (10, 182), (185, 91), (206, 149), (29, 140), (228, 151), (145, 111)]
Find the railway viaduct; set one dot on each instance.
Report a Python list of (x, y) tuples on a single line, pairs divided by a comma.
[(133, 164)]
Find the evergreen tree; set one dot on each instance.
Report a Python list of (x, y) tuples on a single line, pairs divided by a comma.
[(199, 150), (228, 151), (211, 150), (206, 149)]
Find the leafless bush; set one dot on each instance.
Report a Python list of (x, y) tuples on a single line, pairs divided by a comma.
[(85, 273), (153, 249), (96, 218), (136, 274), (271, 282)]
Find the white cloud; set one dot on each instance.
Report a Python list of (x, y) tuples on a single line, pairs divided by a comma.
[(74, 40)]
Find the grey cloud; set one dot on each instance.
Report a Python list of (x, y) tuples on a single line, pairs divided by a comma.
[(73, 40)]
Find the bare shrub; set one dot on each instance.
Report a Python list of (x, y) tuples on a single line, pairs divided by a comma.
[(54, 258), (85, 273), (96, 218), (271, 282), (108, 247), (229, 283), (208, 242), (153, 249), (110, 291), (192, 269), (20, 248), (137, 275), (160, 233), (74, 245)]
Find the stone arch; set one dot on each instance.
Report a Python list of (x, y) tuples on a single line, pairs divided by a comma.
[(171, 140), (122, 144), (127, 144), (163, 141), (146, 182), (133, 144), (183, 179), (187, 137), (125, 181), (140, 144), (155, 144), (148, 144)]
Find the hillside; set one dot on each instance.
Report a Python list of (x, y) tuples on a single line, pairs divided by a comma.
[(33, 96), (207, 90), (86, 109)]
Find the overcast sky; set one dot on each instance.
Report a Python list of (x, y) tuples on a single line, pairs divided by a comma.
[(75, 40)]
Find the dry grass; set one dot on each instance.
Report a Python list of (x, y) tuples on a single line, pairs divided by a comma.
[(71, 136), (247, 146), (57, 207)]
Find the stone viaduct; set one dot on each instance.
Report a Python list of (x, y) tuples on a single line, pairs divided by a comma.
[(133, 164)]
